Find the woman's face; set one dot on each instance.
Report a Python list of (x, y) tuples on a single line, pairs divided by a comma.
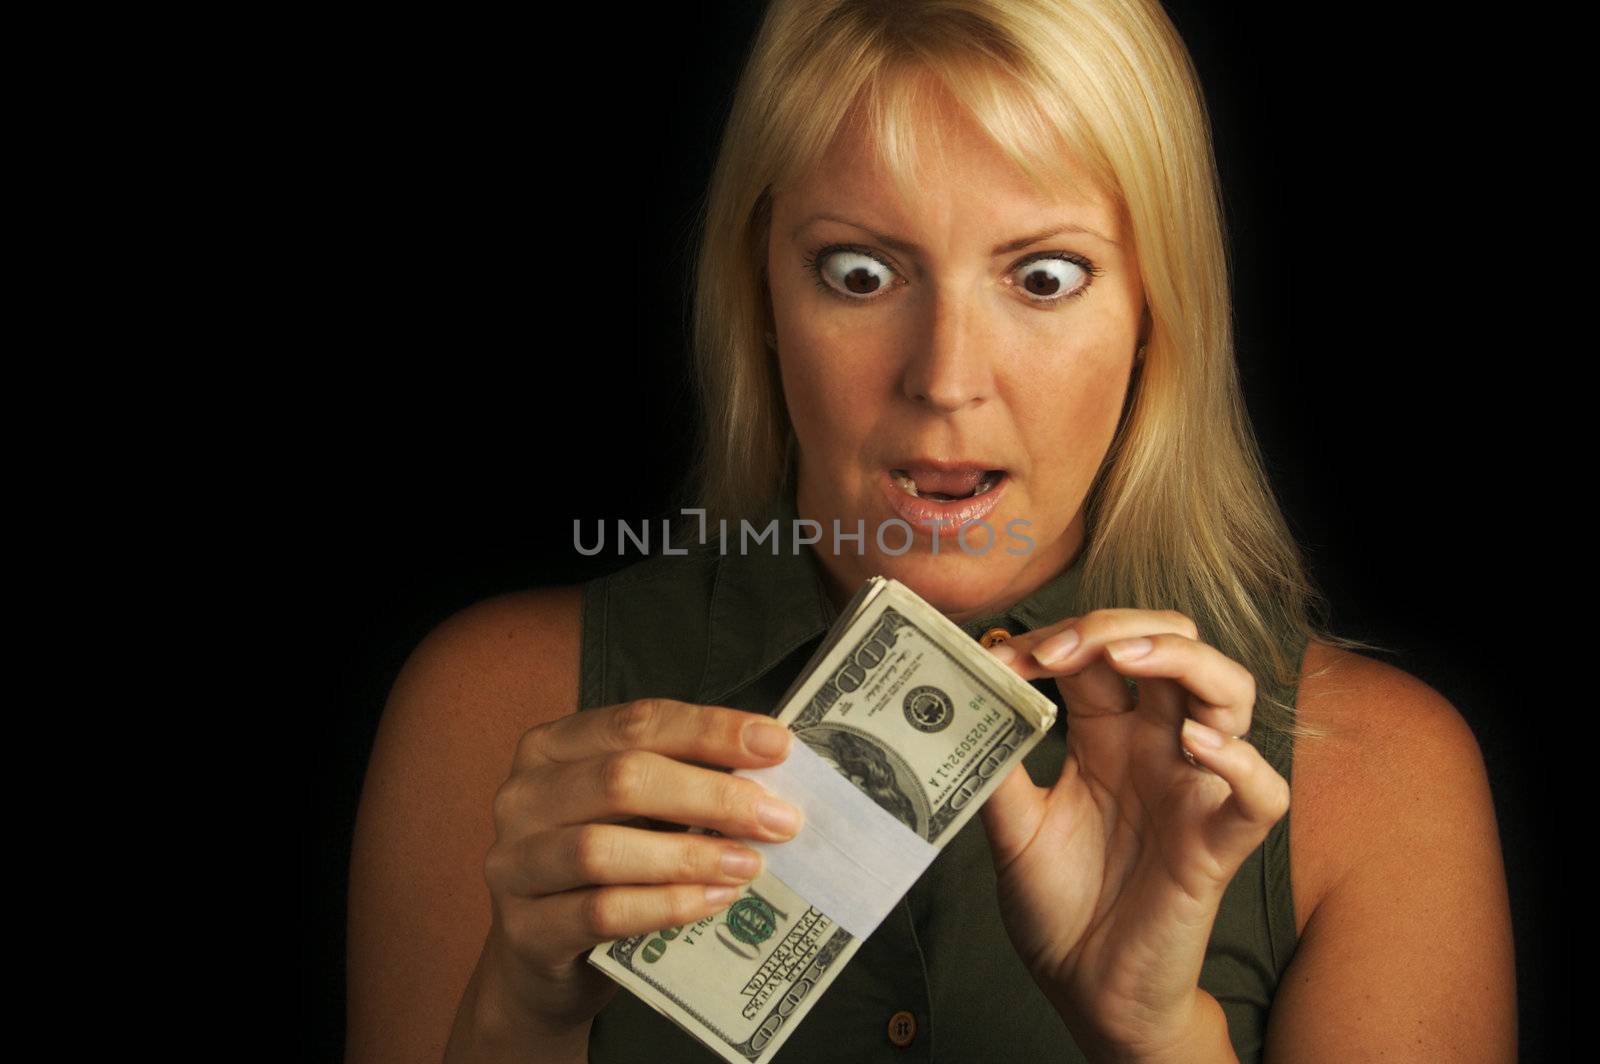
[(927, 341)]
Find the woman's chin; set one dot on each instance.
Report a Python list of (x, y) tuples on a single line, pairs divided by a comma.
[(951, 582), (961, 574)]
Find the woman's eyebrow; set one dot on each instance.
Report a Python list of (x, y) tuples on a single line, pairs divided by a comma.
[(907, 246)]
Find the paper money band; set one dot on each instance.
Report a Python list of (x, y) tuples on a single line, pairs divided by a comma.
[(851, 858)]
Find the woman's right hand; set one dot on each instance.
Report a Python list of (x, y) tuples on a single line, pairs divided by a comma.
[(565, 874)]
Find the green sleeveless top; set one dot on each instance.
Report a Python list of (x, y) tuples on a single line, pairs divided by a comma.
[(734, 629)]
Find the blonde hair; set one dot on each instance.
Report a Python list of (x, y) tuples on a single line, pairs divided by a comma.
[(1181, 515)]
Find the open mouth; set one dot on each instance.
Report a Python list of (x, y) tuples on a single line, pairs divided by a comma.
[(947, 487)]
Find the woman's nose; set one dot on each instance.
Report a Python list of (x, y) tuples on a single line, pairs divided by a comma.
[(948, 367)]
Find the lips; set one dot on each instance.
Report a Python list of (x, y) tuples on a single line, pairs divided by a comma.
[(977, 493)]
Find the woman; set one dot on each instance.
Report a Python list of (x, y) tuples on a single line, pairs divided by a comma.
[(960, 260)]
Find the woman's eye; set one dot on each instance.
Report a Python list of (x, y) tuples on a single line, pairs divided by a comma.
[(859, 275), (851, 272), (1045, 280)]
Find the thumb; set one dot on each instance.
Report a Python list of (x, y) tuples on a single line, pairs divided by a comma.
[(1012, 814)]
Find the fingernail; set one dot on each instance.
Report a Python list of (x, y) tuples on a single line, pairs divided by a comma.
[(765, 739), (1197, 734), (779, 816), (1003, 654), (718, 895), (741, 864), (1057, 647), (1128, 649)]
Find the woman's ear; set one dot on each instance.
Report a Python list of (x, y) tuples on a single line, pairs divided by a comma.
[(769, 321)]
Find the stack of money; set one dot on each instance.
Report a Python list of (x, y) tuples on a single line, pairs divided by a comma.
[(905, 726)]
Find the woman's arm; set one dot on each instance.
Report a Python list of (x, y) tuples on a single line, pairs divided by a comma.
[(493, 850), (1408, 953), (419, 907)]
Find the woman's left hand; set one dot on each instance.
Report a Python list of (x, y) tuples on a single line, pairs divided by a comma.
[(1110, 880)]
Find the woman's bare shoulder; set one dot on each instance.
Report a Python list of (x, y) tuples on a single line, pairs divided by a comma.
[(1389, 733), (518, 653)]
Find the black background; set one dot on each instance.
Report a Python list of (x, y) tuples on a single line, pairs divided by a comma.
[(504, 215)]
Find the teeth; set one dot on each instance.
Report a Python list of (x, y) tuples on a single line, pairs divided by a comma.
[(909, 486)]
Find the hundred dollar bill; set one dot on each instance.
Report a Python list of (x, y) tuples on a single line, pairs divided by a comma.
[(922, 721)]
